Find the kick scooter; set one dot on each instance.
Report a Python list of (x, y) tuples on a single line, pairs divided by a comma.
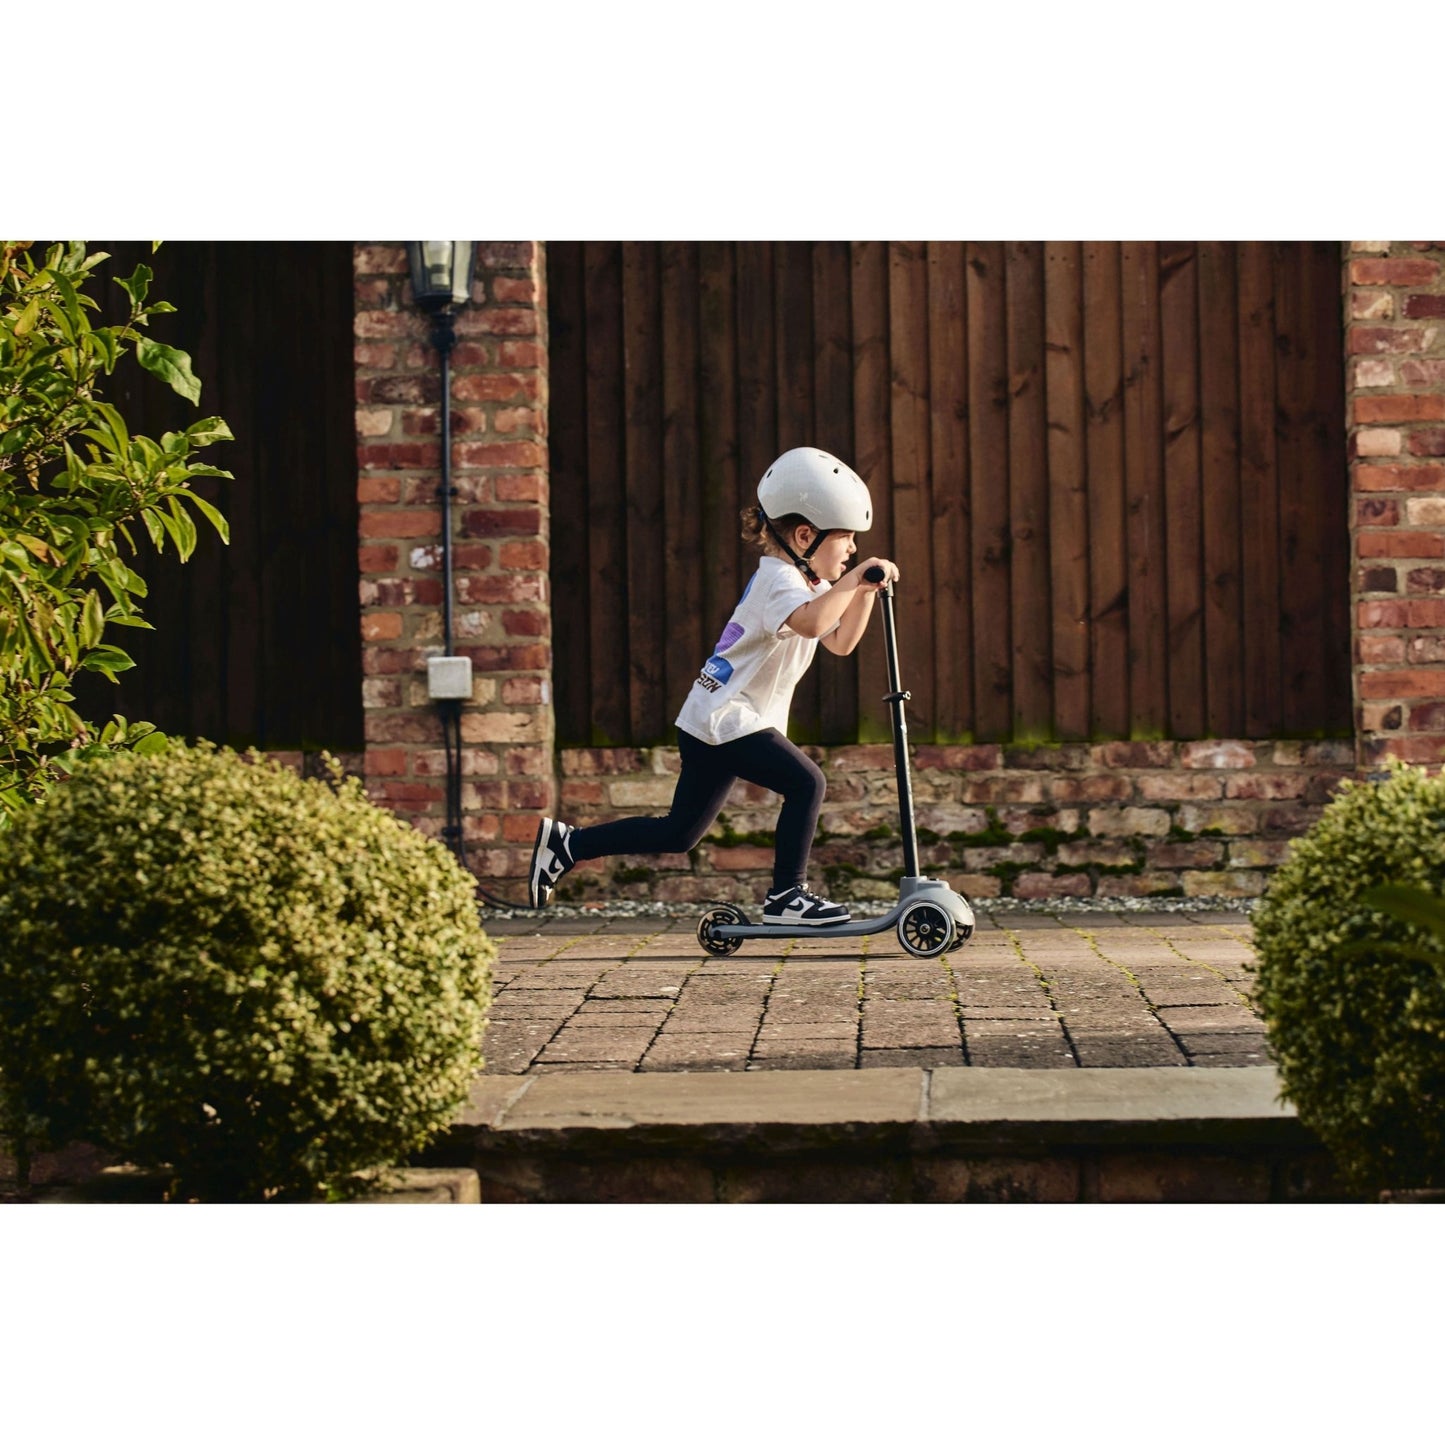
[(930, 917)]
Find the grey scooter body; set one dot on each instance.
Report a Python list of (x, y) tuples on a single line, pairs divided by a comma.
[(931, 918)]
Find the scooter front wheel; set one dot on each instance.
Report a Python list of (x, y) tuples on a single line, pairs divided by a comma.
[(925, 930), (722, 916)]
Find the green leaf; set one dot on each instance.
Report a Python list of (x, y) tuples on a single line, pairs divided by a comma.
[(212, 429), (170, 365), (115, 423), (184, 531), (92, 620), (213, 516), (136, 284), (103, 338), (71, 302), (28, 318), (39, 549), (109, 660), (153, 519)]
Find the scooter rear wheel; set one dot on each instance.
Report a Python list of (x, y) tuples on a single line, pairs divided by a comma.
[(722, 916), (925, 930)]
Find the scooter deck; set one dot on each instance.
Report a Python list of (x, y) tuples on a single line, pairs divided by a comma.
[(911, 890), (854, 928)]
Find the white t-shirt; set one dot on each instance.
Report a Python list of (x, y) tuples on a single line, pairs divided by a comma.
[(746, 686)]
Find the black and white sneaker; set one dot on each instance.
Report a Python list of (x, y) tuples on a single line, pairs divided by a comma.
[(797, 905), (551, 858)]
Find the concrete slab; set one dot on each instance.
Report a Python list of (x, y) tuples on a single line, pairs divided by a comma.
[(821, 1097), (1080, 1095)]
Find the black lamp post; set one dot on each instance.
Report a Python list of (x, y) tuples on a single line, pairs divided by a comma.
[(441, 280)]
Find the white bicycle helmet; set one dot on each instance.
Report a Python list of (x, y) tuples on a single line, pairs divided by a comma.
[(814, 484)]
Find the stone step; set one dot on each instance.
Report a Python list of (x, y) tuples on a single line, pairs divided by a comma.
[(928, 1135)]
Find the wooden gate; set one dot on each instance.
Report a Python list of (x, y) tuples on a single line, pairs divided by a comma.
[(256, 643), (1113, 475)]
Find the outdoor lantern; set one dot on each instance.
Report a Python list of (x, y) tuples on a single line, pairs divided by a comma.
[(441, 272)]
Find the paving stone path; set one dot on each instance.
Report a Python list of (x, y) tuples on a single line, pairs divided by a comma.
[(1028, 991)]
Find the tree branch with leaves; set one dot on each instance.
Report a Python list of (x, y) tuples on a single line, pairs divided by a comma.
[(75, 489)]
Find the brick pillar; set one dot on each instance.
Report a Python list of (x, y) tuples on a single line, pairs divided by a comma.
[(1395, 340), (500, 530)]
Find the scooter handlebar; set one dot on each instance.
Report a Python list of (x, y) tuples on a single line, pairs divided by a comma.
[(874, 574)]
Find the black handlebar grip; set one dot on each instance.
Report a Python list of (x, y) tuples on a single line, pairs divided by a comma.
[(874, 574)]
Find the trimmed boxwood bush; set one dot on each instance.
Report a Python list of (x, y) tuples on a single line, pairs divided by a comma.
[(1354, 1007), (263, 983)]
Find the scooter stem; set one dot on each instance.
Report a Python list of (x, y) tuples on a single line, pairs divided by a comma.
[(895, 698)]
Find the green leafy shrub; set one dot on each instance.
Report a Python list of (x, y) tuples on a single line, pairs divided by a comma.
[(75, 488), (1353, 999), (262, 982)]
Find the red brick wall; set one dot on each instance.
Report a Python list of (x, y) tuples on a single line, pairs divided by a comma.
[(1110, 820), (1395, 339), (500, 556)]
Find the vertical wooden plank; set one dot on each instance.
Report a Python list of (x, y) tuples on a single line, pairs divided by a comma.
[(1104, 456), (646, 542), (1314, 490), (278, 552), (567, 455), (1327, 706), (345, 717), (1030, 603), (757, 378), (908, 409), (1179, 321), (334, 704), (833, 429), (723, 551), (1299, 601), (1219, 485), (953, 663), (1144, 491), (206, 624), (277, 469), (793, 343), (873, 457), (988, 443), (606, 495), (1068, 494), (1259, 491), (793, 358), (242, 306), (685, 645)]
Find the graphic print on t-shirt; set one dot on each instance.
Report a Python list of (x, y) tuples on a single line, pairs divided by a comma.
[(717, 669), (715, 673)]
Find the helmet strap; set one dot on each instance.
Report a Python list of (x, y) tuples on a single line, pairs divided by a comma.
[(801, 563)]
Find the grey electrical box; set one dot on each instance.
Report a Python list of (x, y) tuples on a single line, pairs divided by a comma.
[(449, 679)]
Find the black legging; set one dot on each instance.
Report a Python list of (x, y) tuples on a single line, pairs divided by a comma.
[(708, 774)]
